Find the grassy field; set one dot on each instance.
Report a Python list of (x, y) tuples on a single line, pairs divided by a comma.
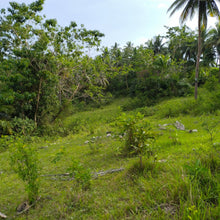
[(180, 179)]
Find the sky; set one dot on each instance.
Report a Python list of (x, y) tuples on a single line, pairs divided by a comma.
[(121, 21)]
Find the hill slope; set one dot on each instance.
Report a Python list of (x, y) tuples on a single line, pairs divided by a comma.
[(180, 179)]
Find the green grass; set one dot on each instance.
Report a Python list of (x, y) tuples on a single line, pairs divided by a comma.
[(165, 189)]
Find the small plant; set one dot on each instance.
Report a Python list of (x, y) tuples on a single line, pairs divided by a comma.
[(81, 174), (5, 142), (139, 137), (192, 213), (24, 162), (58, 156), (210, 126), (95, 146)]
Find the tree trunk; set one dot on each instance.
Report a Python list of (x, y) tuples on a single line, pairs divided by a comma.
[(141, 162), (198, 56), (218, 61), (38, 100)]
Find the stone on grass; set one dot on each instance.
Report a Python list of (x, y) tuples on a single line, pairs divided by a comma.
[(179, 126)]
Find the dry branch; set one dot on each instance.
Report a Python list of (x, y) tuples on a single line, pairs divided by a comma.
[(94, 174)]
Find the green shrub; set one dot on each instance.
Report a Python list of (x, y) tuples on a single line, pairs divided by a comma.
[(25, 163), (56, 128), (136, 102), (23, 126), (5, 142), (6, 127), (138, 136), (81, 174)]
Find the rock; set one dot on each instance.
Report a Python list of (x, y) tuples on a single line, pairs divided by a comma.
[(162, 127), (108, 135), (194, 130), (2, 215), (162, 161), (43, 147), (166, 124), (217, 144), (86, 142), (179, 126)]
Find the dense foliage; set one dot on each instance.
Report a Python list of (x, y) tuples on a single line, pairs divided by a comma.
[(45, 68), (67, 140)]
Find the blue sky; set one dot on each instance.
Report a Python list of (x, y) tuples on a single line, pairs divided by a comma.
[(120, 20)]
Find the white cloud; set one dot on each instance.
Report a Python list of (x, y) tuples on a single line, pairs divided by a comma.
[(162, 5), (140, 40)]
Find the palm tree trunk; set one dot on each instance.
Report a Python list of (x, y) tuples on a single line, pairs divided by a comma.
[(198, 56)]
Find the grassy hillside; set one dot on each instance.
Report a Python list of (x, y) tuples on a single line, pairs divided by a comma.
[(180, 178)]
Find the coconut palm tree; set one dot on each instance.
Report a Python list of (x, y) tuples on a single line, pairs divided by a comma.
[(204, 8), (157, 45), (215, 40)]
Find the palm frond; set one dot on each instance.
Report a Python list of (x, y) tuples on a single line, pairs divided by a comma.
[(178, 4)]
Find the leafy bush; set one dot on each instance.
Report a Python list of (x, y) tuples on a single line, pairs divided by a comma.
[(25, 163), (136, 102), (23, 126), (5, 142), (81, 174), (56, 128), (138, 137), (5, 127)]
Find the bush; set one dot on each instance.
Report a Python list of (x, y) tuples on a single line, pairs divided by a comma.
[(5, 142), (136, 102), (81, 174), (25, 163), (138, 137), (6, 127), (23, 126)]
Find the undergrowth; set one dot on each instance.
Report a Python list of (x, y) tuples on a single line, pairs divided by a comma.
[(178, 178)]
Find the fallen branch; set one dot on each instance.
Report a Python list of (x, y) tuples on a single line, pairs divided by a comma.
[(2, 215), (94, 174), (25, 209), (26, 206), (60, 174), (102, 173)]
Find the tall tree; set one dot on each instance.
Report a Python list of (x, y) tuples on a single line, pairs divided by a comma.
[(157, 45), (215, 40), (204, 8), (42, 64), (181, 44)]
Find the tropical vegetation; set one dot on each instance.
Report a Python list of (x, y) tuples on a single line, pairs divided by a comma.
[(114, 135)]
